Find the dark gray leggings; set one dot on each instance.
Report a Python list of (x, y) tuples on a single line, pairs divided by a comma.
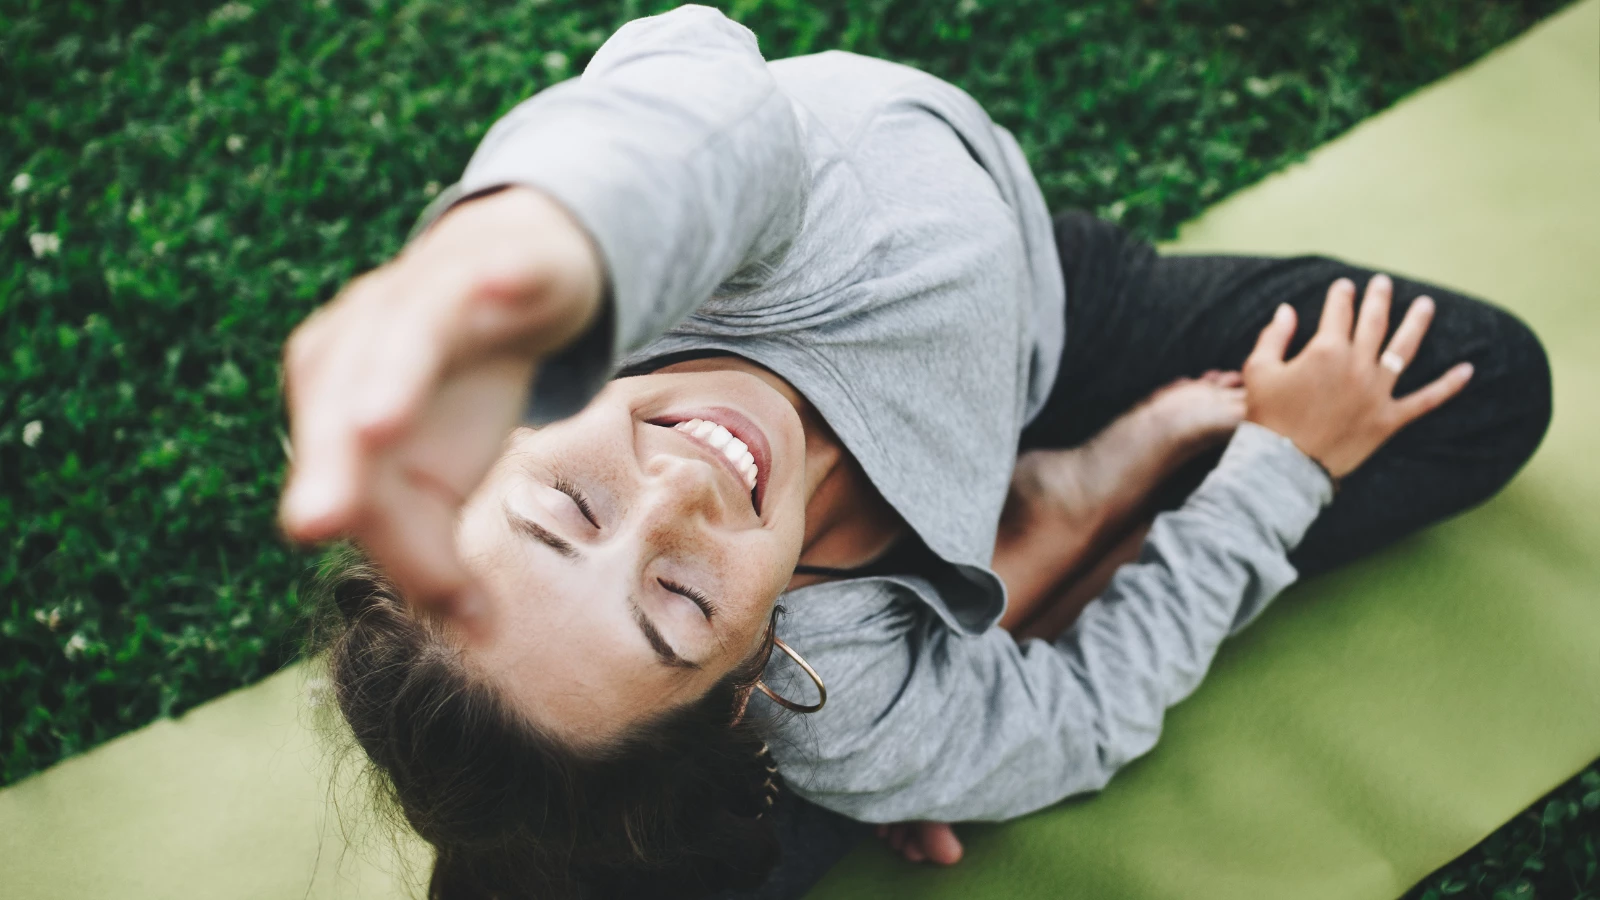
[(1137, 320)]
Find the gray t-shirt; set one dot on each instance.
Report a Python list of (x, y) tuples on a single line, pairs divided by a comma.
[(863, 229)]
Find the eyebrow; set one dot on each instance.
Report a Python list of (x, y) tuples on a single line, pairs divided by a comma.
[(560, 545), (540, 533), (658, 643)]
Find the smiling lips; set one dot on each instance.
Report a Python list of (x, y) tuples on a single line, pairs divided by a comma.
[(722, 440)]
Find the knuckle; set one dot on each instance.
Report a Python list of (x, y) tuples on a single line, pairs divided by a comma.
[(1324, 348)]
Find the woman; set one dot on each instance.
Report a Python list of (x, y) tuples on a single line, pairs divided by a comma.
[(839, 310)]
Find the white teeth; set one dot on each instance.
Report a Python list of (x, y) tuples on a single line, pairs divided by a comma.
[(722, 439)]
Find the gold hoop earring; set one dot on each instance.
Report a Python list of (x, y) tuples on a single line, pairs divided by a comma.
[(822, 691)]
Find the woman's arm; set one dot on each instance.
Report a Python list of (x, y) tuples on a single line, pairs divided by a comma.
[(616, 201), (679, 155), (936, 725)]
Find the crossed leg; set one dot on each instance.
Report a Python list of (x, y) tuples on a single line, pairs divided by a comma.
[(1136, 319), (1075, 514)]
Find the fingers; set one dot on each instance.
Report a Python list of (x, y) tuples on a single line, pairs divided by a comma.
[(408, 529), (939, 843), (1274, 339), (1408, 336), (1373, 322), (359, 374), (323, 482), (1433, 395), (1237, 404), (324, 479), (411, 359), (411, 347), (1338, 309)]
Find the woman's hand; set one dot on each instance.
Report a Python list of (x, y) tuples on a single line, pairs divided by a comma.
[(1335, 399), (402, 389)]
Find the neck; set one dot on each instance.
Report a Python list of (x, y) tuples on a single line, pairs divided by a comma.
[(848, 523)]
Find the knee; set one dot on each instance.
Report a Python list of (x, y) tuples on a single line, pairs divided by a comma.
[(1516, 369), (1528, 366)]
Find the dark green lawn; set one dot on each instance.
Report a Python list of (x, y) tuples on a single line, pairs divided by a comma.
[(181, 182)]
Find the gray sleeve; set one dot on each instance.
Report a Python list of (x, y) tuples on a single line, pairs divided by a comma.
[(680, 156), (925, 723)]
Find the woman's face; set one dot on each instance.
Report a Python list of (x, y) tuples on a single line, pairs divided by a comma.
[(629, 563)]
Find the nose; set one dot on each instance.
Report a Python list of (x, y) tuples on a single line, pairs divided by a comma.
[(679, 488)]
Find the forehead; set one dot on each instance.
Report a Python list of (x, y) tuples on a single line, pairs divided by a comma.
[(565, 647)]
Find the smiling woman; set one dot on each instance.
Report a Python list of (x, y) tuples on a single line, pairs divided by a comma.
[(619, 522), (806, 331)]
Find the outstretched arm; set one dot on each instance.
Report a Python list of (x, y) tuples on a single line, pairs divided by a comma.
[(593, 217)]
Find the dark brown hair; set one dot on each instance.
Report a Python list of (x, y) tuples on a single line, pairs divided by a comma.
[(673, 809)]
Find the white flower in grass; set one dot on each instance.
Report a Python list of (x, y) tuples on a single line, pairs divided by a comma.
[(235, 143), (231, 12), (316, 691), (46, 244), (31, 432), (75, 645), (21, 183)]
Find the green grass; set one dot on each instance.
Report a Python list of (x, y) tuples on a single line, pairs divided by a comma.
[(181, 182), (1551, 850)]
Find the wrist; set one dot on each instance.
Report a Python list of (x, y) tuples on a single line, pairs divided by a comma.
[(530, 275), (1333, 480), (1312, 457)]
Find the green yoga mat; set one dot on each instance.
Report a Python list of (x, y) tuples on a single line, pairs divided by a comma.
[(1374, 724)]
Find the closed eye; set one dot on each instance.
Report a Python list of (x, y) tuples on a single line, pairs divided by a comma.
[(578, 499), (699, 599)]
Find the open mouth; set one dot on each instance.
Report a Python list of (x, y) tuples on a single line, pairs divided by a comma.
[(734, 439)]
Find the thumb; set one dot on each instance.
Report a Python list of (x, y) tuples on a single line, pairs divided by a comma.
[(1273, 342)]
